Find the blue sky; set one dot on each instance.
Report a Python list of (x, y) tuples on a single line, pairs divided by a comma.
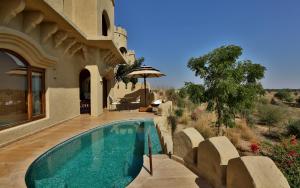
[(169, 32)]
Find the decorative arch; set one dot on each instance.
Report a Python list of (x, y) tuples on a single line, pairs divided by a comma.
[(85, 91), (26, 47), (105, 23), (123, 50)]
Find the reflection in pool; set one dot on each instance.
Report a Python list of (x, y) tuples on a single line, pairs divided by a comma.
[(110, 156)]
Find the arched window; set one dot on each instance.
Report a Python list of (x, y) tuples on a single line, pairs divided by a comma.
[(123, 50), (22, 93), (105, 24)]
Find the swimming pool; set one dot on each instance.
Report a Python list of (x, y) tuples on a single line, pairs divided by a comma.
[(108, 156)]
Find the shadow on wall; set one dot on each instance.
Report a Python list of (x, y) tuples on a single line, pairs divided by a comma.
[(131, 96), (135, 99)]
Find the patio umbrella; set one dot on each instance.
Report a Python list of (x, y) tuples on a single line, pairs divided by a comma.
[(145, 72)]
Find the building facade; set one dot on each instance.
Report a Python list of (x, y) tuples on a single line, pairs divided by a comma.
[(57, 60)]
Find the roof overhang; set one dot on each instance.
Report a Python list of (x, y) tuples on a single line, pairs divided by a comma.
[(100, 42)]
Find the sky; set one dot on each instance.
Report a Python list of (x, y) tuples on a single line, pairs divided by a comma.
[(167, 33)]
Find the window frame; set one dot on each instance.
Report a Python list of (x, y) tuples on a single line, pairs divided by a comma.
[(29, 99)]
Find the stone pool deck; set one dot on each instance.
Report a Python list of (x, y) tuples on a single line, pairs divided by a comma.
[(16, 157), (167, 173)]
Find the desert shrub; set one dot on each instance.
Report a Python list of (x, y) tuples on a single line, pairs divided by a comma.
[(190, 106), (294, 128), (286, 155), (160, 93), (172, 120), (179, 112), (180, 102), (274, 101), (246, 132), (184, 119), (284, 95), (270, 115), (196, 113), (205, 130), (182, 93), (171, 94), (263, 100), (298, 100), (250, 119), (234, 136), (204, 125)]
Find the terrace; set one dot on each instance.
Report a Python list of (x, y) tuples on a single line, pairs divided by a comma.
[(17, 156)]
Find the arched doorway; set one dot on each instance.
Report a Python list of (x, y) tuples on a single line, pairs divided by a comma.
[(105, 24), (105, 93), (85, 91)]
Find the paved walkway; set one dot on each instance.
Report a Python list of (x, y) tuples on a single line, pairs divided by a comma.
[(16, 157), (167, 173)]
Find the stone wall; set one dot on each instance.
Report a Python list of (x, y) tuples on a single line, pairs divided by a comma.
[(218, 162), (63, 47), (163, 127)]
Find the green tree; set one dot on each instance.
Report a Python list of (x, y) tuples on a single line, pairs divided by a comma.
[(284, 95), (195, 92), (231, 86), (270, 115), (125, 69)]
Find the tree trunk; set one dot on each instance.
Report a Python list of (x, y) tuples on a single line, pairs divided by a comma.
[(219, 123)]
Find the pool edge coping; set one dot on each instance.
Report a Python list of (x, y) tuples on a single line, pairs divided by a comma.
[(103, 125)]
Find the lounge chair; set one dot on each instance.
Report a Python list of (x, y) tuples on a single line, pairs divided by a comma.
[(113, 104), (156, 103), (137, 101)]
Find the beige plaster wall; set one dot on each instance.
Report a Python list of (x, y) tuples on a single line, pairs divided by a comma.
[(58, 5), (86, 14), (120, 37), (131, 57), (108, 6), (62, 69)]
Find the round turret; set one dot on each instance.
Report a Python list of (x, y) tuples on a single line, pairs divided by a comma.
[(120, 37)]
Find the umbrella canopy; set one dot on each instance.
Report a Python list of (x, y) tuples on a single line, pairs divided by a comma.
[(145, 72)]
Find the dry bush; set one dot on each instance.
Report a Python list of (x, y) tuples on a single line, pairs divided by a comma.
[(196, 113), (234, 136), (246, 132), (204, 124), (241, 132), (185, 118)]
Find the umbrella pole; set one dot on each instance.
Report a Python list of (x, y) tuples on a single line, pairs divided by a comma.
[(145, 91)]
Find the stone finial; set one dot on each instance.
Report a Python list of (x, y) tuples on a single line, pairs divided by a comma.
[(31, 20), (10, 9)]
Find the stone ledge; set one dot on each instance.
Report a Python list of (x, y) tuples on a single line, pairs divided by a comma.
[(254, 171)]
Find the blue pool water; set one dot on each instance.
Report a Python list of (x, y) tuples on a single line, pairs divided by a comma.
[(110, 156)]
